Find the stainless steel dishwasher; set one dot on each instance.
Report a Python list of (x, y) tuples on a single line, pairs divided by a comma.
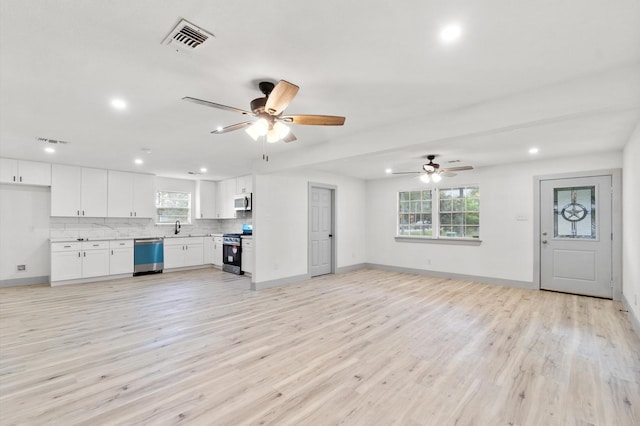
[(148, 255)]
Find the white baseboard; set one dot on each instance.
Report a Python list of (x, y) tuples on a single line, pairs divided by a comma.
[(635, 322), (24, 281)]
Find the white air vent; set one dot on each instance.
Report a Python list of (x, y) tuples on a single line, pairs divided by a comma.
[(186, 36), (47, 140)]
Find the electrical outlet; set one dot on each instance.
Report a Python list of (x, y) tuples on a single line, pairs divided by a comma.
[(22, 267)]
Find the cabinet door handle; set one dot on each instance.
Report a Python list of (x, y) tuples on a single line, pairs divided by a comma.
[(135, 213), (14, 178), (130, 213), (111, 252), (78, 211), (20, 178), (78, 254), (67, 246), (85, 254), (82, 212)]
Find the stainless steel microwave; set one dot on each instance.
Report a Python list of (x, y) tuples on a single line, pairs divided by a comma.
[(242, 202)]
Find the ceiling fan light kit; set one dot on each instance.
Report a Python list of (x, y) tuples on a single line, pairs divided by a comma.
[(268, 111), (432, 172)]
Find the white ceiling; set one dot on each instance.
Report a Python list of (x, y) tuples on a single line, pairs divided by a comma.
[(562, 76)]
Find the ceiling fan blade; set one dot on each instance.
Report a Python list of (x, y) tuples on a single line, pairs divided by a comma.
[(448, 174), (233, 127), (289, 138), (456, 169), (280, 97), (314, 120), (215, 105), (406, 173)]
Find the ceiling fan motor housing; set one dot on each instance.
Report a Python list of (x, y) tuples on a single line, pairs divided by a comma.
[(257, 105)]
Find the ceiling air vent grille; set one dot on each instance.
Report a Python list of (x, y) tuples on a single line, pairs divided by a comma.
[(186, 36)]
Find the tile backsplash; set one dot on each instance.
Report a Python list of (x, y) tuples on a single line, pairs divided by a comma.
[(92, 228)]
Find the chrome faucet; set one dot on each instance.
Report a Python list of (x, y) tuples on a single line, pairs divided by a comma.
[(177, 227)]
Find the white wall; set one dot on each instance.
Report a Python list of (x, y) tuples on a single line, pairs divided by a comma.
[(506, 192), (631, 219), (24, 232), (280, 223)]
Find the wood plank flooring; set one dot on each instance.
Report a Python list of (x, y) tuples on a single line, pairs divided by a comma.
[(362, 348)]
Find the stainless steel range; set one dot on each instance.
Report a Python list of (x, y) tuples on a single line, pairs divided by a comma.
[(232, 253)]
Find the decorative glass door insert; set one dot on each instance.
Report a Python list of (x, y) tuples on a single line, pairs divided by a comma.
[(575, 212)]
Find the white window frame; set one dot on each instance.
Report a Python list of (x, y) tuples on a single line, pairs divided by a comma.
[(435, 218), (189, 209)]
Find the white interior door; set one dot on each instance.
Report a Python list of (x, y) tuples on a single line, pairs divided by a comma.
[(321, 231), (576, 234)]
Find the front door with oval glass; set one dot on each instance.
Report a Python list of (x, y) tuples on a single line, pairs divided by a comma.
[(575, 240)]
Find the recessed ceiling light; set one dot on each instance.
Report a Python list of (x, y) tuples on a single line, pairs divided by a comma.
[(533, 151), (450, 33), (203, 170), (387, 171), (219, 129), (138, 161), (49, 150), (118, 104), (146, 150)]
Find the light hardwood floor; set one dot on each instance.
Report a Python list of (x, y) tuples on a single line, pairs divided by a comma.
[(366, 347)]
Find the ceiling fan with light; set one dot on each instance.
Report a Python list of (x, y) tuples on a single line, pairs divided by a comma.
[(432, 172), (267, 114)]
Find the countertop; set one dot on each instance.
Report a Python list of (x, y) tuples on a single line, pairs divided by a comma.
[(75, 240)]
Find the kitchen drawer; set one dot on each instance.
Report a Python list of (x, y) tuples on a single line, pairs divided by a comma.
[(114, 244), (247, 242), (72, 246), (95, 245)]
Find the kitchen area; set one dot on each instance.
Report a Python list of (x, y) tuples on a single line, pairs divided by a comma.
[(105, 224)]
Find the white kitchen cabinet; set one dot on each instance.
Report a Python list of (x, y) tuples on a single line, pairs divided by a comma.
[(206, 200), (225, 194), (144, 195), (247, 255), (208, 250), (194, 252), (244, 184), (121, 259), (76, 260), (173, 255), (25, 172), (183, 251), (78, 191), (217, 251), (130, 195), (93, 192), (95, 259), (66, 261)]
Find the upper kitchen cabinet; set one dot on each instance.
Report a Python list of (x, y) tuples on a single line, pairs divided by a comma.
[(225, 194), (131, 195), (206, 200), (244, 184), (78, 191), (25, 172)]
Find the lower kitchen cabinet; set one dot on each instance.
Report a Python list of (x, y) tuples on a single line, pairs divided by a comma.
[(247, 255), (182, 252), (76, 260), (66, 261), (217, 251), (121, 259)]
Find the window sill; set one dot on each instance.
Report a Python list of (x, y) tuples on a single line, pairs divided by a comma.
[(428, 240)]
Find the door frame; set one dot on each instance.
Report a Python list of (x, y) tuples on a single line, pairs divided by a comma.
[(333, 189), (616, 223)]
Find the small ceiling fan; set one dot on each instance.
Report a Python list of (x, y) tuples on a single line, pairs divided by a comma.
[(266, 113), (432, 171)]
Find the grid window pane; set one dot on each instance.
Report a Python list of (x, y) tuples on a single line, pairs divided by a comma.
[(414, 208), (172, 206)]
